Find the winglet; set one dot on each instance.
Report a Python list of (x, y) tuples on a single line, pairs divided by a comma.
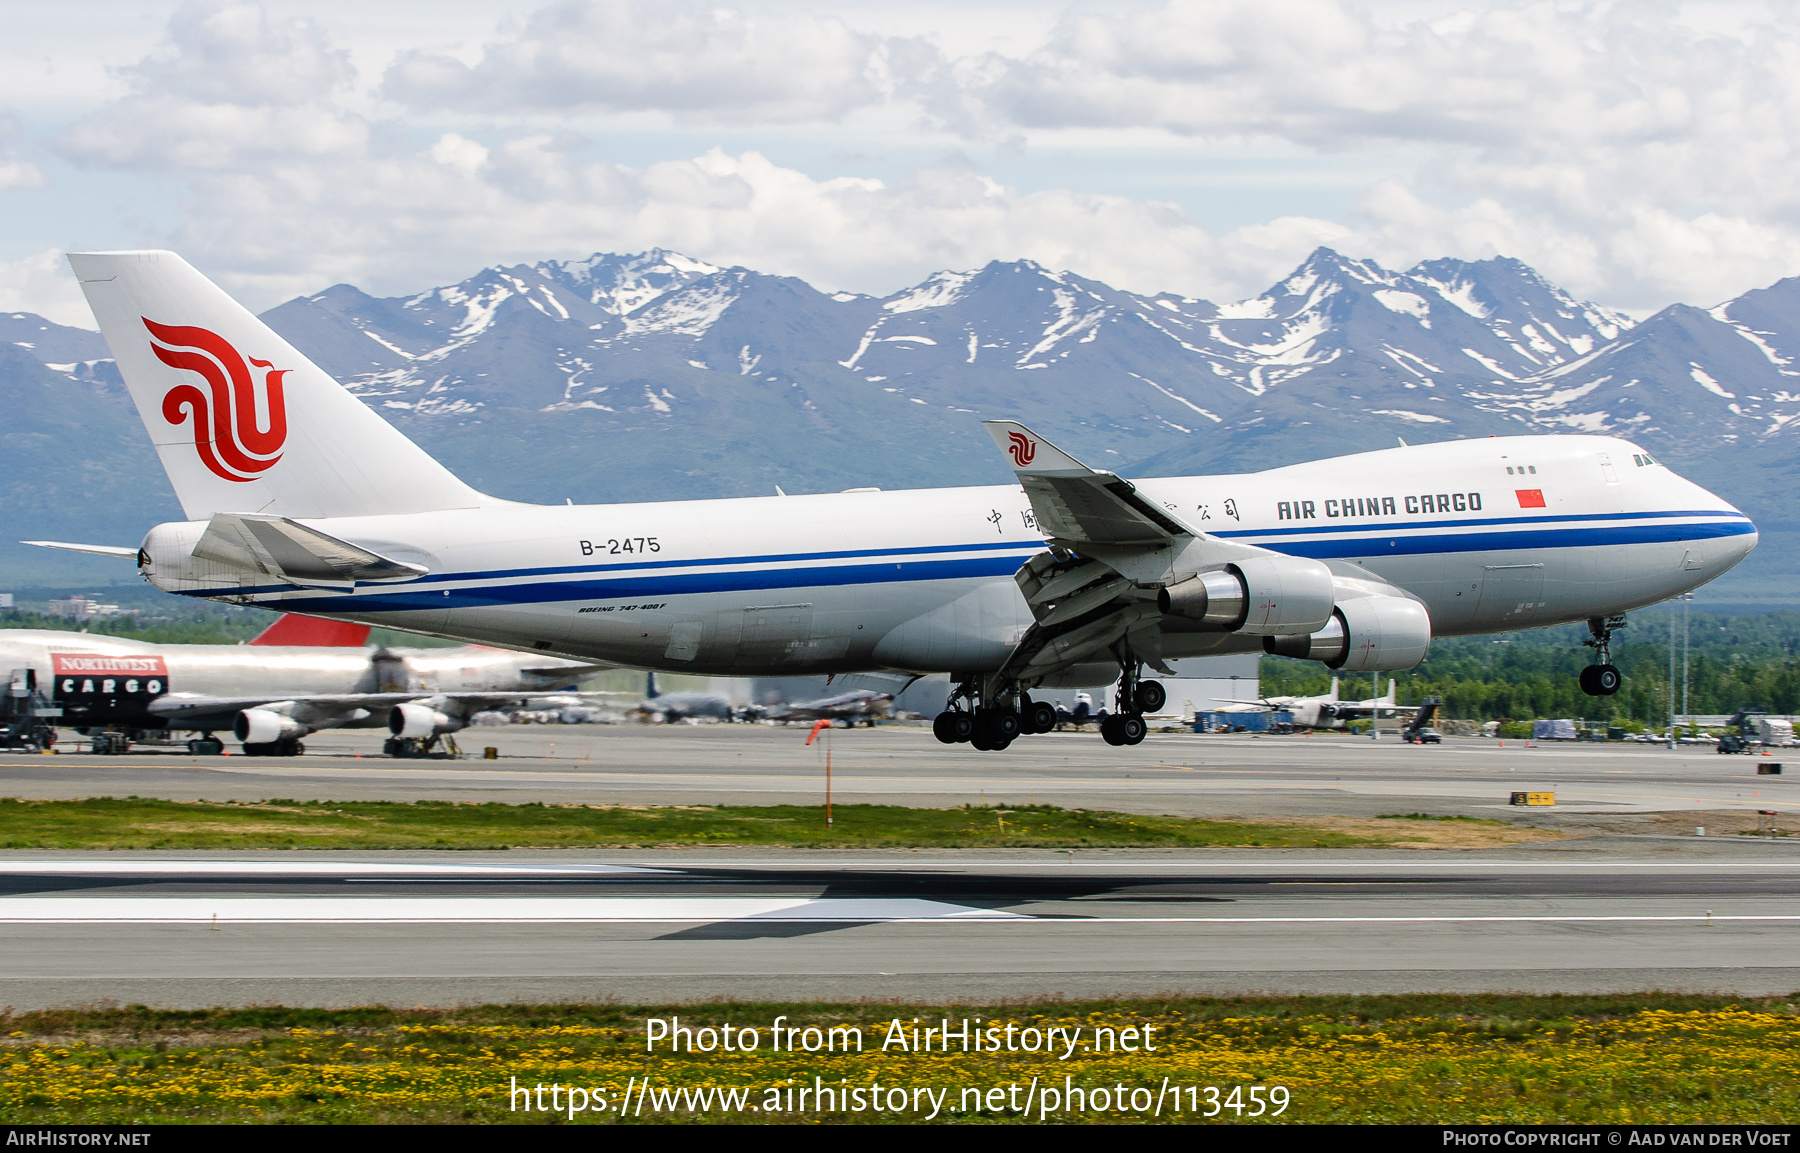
[(1031, 454), (1078, 504)]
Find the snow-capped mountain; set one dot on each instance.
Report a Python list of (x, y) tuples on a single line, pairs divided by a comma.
[(625, 377)]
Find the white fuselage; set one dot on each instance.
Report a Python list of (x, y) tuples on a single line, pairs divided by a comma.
[(1580, 527)]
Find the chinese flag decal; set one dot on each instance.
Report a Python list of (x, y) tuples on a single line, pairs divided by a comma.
[(1530, 497)]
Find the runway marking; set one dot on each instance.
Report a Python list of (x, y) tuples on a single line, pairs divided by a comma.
[(1222, 868), (1407, 920), (110, 867), (227, 911)]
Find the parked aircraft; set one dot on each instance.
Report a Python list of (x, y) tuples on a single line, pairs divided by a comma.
[(863, 705), (297, 677), (668, 708), (1327, 711), (300, 496)]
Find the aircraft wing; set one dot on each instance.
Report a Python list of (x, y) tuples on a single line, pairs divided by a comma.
[(1361, 712), (1107, 543), (325, 710)]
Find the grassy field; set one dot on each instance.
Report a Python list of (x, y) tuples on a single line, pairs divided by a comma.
[(1653, 1058), (138, 823)]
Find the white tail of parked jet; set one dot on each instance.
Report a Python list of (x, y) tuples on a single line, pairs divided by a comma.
[(242, 421)]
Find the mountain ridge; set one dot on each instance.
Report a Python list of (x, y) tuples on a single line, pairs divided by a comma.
[(654, 375)]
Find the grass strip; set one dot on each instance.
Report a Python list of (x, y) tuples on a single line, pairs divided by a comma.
[(140, 823), (1421, 1059)]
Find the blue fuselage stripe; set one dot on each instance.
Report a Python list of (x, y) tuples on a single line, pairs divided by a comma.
[(628, 582)]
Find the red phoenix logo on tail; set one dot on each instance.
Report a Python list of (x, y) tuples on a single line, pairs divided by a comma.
[(233, 440), (1023, 449)]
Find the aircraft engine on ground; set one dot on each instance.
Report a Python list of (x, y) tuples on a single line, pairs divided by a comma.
[(416, 722), (1261, 596), (265, 727), (1368, 634)]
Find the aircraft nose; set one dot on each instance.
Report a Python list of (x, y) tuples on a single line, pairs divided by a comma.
[(1738, 539)]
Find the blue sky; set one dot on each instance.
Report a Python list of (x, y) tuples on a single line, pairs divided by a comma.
[(1638, 153)]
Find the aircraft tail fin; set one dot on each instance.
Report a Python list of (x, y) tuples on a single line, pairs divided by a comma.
[(650, 692), (1393, 688), (294, 629), (1334, 690), (241, 420)]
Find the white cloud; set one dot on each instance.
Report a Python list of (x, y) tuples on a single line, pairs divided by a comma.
[(44, 285), (1632, 157), (680, 56), (14, 171), (1625, 149)]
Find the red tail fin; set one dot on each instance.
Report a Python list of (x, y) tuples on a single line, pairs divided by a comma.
[(294, 629)]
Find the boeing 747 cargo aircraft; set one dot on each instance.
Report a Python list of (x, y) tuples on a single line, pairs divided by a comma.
[(299, 496)]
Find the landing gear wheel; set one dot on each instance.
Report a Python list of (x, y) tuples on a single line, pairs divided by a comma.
[(1132, 729), (997, 727), (1600, 680), (1151, 697), (260, 749), (1111, 731), (1042, 716), (943, 727), (980, 741), (963, 727)]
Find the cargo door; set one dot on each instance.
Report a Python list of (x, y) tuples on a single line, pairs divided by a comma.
[(1511, 591), (775, 635)]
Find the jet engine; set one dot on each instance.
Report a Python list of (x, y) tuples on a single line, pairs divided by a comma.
[(1261, 596), (265, 727), (1365, 635), (416, 722)]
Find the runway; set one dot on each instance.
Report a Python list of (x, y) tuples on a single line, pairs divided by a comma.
[(444, 929), (1184, 774)]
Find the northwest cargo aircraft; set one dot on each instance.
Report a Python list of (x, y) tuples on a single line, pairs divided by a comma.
[(299, 496), (298, 676)]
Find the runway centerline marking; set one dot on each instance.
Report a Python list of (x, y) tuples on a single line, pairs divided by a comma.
[(227, 911), (409, 870)]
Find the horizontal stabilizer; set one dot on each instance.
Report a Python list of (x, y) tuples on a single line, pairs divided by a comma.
[(295, 629), (293, 552), (114, 550), (1078, 504)]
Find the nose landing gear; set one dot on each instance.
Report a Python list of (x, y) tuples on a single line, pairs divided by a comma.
[(1603, 678)]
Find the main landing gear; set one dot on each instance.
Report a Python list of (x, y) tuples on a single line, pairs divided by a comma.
[(991, 721), (1602, 679), (967, 717)]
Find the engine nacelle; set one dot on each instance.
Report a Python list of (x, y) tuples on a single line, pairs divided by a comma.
[(416, 722), (265, 727), (1365, 635), (1261, 596)]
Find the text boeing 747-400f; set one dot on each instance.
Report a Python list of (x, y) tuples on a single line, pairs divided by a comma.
[(302, 498)]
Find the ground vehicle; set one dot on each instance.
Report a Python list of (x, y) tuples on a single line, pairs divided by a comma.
[(1742, 731)]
